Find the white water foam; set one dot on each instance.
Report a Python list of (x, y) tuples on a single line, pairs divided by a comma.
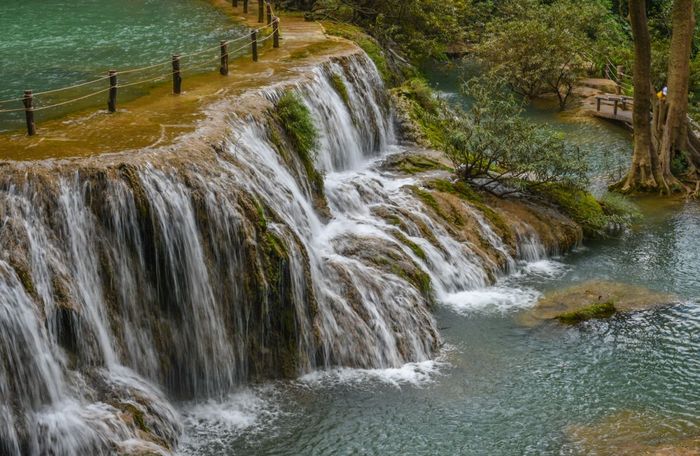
[(410, 374), (497, 299), (217, 423)]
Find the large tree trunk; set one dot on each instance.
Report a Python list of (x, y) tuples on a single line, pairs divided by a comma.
[(644, 175), (672, 134)]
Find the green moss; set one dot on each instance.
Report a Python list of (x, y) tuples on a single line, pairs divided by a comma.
[(414, 164), (366, 42), (578, 204), (25, 278), (594, 311), (342, 89), (275, 246), (459, 188), (260, 210), (311, 49), (298, 124), (136, 414), (415, 248), (429, 200), (424, 110)]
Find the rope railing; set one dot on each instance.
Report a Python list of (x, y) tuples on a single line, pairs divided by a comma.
[(29, 98)]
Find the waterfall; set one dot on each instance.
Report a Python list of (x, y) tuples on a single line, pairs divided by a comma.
[(132, 280)]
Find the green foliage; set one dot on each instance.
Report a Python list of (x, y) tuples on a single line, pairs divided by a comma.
[(341, 88), (425, 110), (544, 47), (420, 28), (578, 204), (620, 209), (296, 120), (493, 144), (594, 311)]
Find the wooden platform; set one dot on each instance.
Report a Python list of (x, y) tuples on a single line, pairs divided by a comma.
[(614, 107)]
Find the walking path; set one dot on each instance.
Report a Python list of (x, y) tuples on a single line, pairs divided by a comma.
[(159, 118)]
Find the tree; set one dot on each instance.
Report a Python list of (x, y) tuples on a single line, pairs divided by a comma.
[(493, 145), (544, 47), (653, 156), (644, 174), (672, 114)]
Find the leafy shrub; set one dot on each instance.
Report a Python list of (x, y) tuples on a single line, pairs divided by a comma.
[(493, 145)]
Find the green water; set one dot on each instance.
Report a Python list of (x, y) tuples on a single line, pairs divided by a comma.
[(49, 44), (502, 388)]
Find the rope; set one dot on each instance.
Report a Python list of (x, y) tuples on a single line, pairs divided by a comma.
[(11, 110), (46, 92), (42, 108), (144, 81)]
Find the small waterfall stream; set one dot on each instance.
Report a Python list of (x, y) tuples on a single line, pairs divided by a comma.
[(126, 280)]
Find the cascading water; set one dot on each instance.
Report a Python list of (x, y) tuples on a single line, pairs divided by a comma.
[(192, 274)]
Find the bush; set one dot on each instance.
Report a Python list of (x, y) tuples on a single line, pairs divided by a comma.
[(493, 145)]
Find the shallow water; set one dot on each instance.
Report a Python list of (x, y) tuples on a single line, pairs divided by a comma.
[(501, 388), (45, 45)]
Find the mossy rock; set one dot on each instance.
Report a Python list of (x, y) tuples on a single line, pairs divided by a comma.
[(297, 122), (578, 204), (364, 41), (594, 300), (591, 312), (414, 164), (420, 113), (341, 89)]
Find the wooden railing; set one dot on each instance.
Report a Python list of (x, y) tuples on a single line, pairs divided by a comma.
[(257, 36)]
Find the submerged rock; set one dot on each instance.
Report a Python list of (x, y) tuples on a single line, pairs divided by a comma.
[(595, 299), (635, 433)]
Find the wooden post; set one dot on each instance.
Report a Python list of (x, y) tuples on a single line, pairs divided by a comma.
[(597, 104), (261, 11), (29, 112), (112, 102), (177, 77), (269, 13), (615, 109), (620, 74), (254, 42), (276, 32), (224, 58), (245, 6)]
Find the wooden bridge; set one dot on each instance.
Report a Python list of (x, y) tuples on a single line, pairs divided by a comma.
[(614, 107)]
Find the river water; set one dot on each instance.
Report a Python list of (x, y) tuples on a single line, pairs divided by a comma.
[(499, 386)]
